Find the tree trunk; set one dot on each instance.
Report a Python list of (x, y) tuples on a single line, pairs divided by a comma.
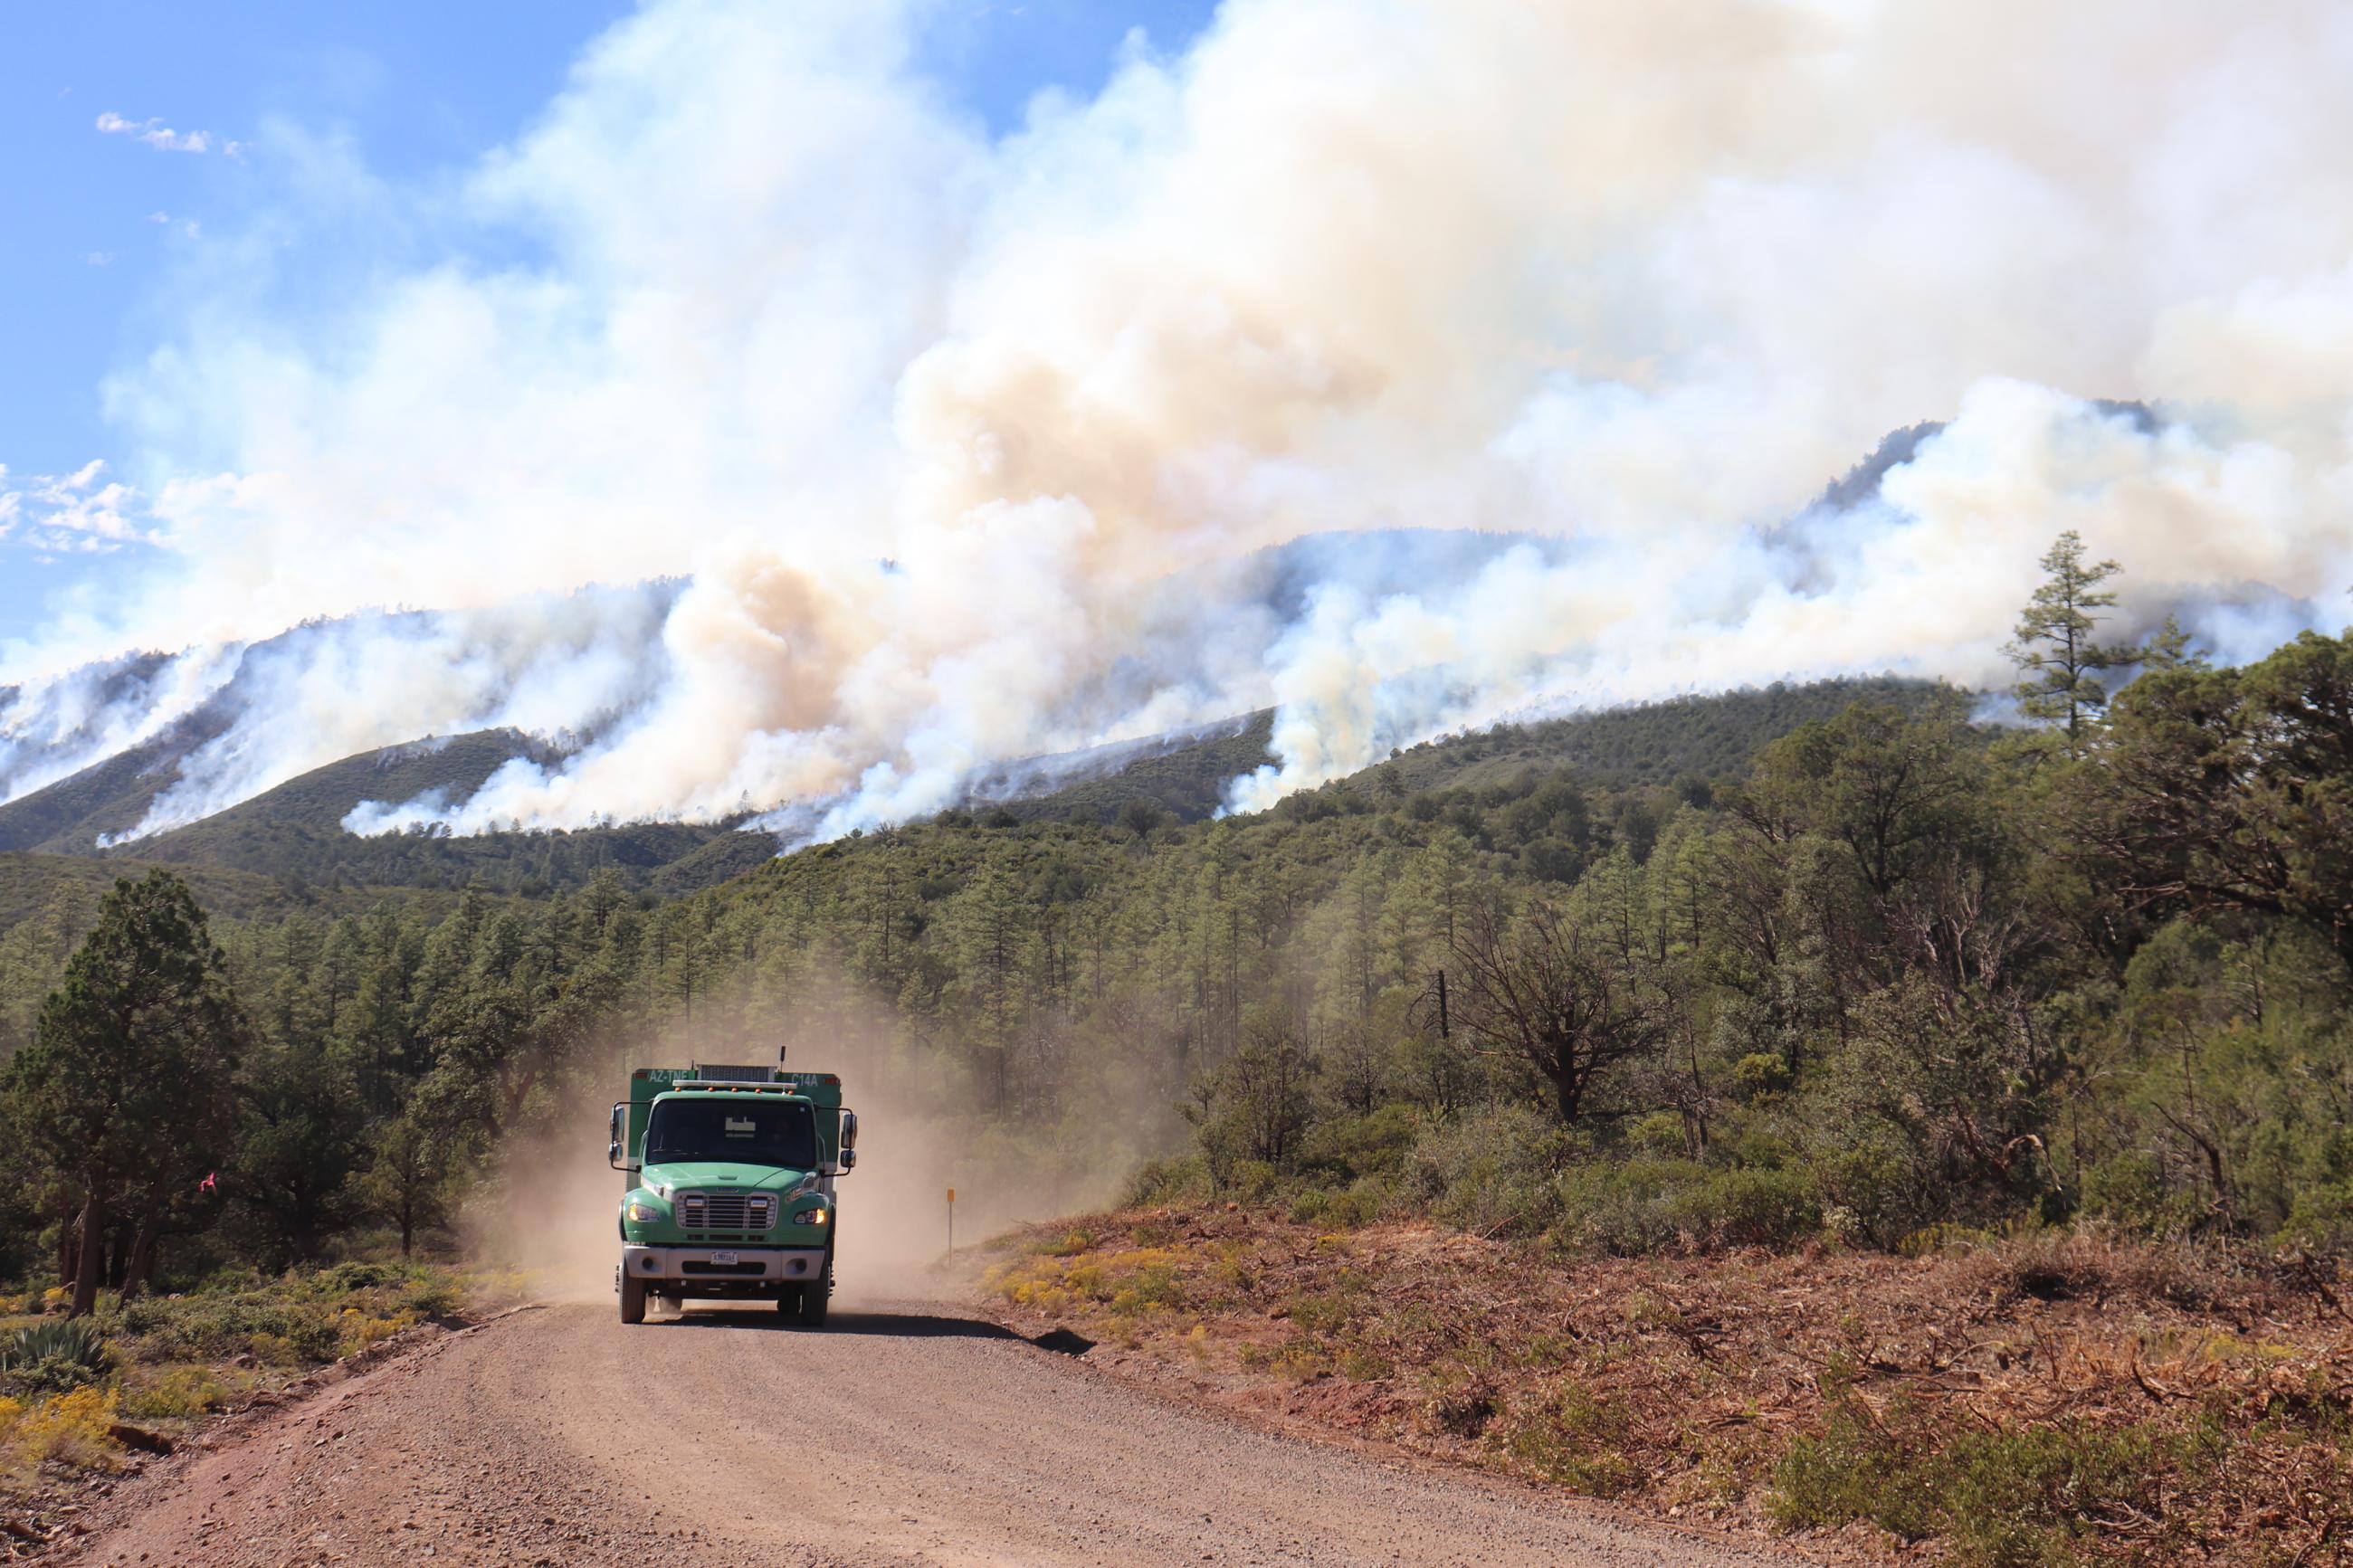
[(1570, 1090), (89, 1260), (69, 1239), (142, 1241)]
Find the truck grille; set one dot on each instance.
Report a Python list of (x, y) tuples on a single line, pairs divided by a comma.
[(727, 1211)]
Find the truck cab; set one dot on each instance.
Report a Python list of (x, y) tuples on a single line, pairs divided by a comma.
[(732, 1196)]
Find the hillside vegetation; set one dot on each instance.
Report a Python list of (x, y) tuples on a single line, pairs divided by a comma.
[(1896, 984), (2046, 1399)]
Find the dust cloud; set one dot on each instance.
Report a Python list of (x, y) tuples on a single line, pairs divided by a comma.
[(549, 1204)]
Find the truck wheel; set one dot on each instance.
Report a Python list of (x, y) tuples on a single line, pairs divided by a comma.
[(817, 1294), (633, 1298), (789, 1302)]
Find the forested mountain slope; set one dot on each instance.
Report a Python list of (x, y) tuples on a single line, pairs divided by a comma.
[(70, 815), (292, 835)]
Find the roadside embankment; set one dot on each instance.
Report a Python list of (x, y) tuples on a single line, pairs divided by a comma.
[(87, 1402), (2043, 1400)]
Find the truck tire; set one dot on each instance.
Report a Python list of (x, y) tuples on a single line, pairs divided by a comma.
[(815, 1295), (633, 1298)]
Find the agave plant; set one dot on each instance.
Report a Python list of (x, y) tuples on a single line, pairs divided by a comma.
[(52, 1357)]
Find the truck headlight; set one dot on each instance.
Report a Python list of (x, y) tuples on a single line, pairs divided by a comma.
[(810, 1217), (641, 1214)]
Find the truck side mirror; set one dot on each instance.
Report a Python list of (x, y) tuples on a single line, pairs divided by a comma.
[(849, 1130), (614, 1156), (849, 1159)]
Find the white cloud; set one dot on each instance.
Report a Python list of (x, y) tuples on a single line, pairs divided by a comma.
[(97, 259), (153, 132), (79, 512), (1630, 281)]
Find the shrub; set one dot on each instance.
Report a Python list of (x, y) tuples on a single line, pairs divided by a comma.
[(1347, 1210), (2129, 1190), (1845, 1472), (54, 1357), (346, 1277), (429, 1293), (1350, 1147), (267, 1326), (1658, 1133), (1874, 1192), (1652, 1204), (2009, 1498), (1574, 1440), (1758, 1074), (2321, 1219), (1496, 1172), (1626, 1208), (356, 1330), (1752, 1206), (179, 1392), (1182, 1180), (75, 1429)]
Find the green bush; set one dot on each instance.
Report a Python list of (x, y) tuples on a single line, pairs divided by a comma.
[(1760, 1074), (1253, 1181), (429, 1293), (2000, 1499), (2321, 1219), (1626, 1208), (1351, 1147), (1752, 1206), (1659, 1133), (343, 1279), (1348, 1209), (2130, 1191), (1653, 1203), (1183, 1179), (1574, 1440), (1497, 1171), (181, 1393), (264, 1324), (1874, 1194), (54, 1357)]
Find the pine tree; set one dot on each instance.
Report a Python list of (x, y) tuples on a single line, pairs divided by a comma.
[(407, 1184), (2058, 662), (2170, 648), (129, 1072)]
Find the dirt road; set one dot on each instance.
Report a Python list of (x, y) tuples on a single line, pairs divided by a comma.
[(914, 1435)]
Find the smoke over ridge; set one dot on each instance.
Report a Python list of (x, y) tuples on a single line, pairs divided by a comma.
[(929, 450)]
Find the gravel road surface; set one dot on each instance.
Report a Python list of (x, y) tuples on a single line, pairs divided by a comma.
[(914, 1435)]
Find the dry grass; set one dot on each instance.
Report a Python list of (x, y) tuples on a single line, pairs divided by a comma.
[(2029, 1402)]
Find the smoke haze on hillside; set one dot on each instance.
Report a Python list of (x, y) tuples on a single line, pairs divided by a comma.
[(758, 424)]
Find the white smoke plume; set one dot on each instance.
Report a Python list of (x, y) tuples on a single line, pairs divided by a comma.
[(943, 449)]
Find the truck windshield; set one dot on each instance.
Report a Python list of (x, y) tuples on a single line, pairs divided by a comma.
[(744, 1132)]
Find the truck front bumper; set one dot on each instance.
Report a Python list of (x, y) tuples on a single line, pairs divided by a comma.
[(703, 1264)]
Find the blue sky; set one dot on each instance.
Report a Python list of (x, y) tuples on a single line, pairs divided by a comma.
[(105, 224)]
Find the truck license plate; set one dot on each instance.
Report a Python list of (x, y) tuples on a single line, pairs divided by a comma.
[(722, 1258)]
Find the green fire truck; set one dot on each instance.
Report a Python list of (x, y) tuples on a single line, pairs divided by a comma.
[(732, 1171)]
